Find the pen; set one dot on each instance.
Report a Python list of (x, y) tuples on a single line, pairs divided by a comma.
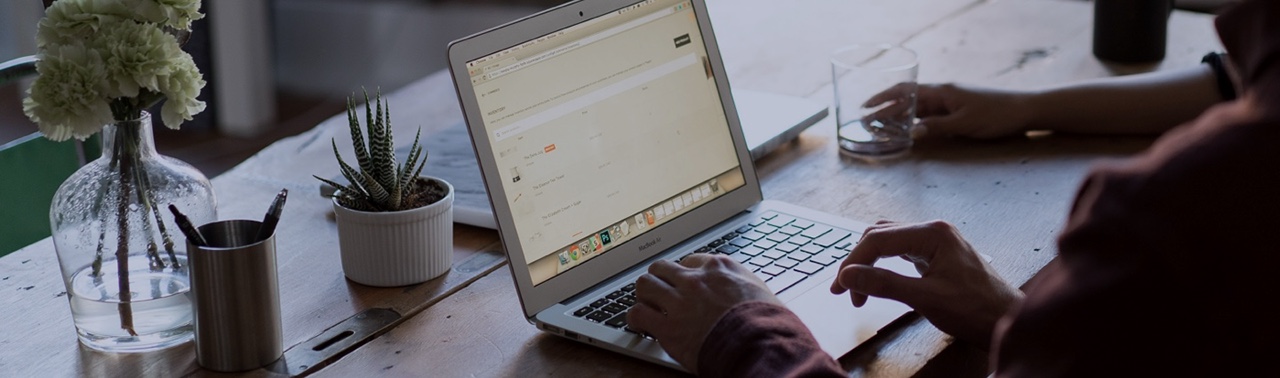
[(184, 224), (273, 216)]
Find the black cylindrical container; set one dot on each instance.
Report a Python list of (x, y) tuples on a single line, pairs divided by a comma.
[(1130, 31)]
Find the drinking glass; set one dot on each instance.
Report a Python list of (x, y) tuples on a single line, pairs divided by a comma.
[(875, 99)]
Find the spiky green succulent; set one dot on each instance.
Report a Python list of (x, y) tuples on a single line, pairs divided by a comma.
[(380, 183)]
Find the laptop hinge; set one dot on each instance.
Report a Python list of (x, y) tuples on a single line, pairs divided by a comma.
[(687, 244)]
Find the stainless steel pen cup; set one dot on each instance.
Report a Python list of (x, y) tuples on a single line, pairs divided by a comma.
[(235, 296)]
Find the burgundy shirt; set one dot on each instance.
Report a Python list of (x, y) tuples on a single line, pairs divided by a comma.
[(1169, 262)]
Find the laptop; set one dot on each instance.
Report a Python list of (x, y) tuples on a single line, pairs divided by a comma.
[(769, 120), (608, 139)]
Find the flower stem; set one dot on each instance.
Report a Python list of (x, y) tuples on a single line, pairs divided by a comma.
[(122, 238), (145, 195), (134, 185), (97, 210)]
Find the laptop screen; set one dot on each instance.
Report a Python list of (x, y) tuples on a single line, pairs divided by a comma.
[(604, 130)]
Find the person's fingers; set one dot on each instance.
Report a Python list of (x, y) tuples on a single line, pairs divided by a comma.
[(863, 281), (919, 131), (897, 109), (880, 224), (943, 125), (885, 240), (931, 100), (921, 265), (836, 288), (896, 91), (894, 240), (871, 232), (645, 319), (666, 270), (696, 260), (654, 292)]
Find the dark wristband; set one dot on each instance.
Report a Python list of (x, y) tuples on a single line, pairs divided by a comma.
[(1226, 88)]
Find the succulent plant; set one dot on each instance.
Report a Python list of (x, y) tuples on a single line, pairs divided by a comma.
[(380, 183)]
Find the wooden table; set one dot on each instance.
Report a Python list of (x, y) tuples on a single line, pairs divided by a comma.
[(1008, 197), (38, 338)]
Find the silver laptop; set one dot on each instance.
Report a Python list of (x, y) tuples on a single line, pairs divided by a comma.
[(607, 138)]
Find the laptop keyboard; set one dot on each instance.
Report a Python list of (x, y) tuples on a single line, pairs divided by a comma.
[(780, 249)]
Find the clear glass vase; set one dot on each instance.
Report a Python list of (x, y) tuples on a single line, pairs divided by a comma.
[(123, 259)]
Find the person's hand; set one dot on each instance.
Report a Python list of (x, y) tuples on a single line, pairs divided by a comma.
[(679, 304), (957, 291), (957, 110)]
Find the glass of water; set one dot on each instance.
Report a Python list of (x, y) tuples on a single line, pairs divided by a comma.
[(875, 99)]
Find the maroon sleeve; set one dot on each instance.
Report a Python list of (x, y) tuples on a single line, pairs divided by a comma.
[(1167, 265), (759, 339)]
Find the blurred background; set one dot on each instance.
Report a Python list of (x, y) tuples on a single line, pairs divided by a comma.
[(276, 68)]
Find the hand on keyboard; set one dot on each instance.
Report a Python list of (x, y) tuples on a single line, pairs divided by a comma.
[(957, 291), (679, 303)]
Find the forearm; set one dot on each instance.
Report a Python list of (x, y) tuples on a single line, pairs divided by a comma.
[(760, 339), (1149, 103)]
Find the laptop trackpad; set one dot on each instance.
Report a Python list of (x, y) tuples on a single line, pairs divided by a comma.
[(836, 324)]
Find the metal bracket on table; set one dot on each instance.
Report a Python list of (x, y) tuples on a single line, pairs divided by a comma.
[(319, 351)]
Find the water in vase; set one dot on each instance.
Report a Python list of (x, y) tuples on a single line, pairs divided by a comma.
[(159, 307)]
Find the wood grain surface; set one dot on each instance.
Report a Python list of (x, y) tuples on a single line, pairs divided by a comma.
[(37, 337), (1008, 197)]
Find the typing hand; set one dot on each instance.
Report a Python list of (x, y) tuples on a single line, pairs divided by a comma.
[(679, 303), (957, 291)]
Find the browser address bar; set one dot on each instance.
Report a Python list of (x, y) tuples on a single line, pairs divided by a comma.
[(607, 92), (579, 43)]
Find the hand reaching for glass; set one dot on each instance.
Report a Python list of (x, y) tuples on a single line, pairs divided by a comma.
[(1139, 104), (955, 110)]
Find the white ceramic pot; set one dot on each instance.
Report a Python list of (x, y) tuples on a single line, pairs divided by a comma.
[(397, 248)]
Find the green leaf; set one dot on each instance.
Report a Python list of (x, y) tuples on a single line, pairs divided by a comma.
[(355, 203), (414, 151), (422, 164), (357, 139), (356, 177), (335, 184), (381, 183), (382, 147)]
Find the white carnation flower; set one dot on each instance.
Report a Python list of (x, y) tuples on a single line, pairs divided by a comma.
[(105, 58), (174, 14), (180, 88), (69, 21), (65, 100), (137, 57)]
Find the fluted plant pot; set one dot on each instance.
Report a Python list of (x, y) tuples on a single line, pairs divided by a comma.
[(397, 248)]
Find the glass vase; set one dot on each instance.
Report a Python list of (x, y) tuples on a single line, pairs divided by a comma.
[(123, 259)]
